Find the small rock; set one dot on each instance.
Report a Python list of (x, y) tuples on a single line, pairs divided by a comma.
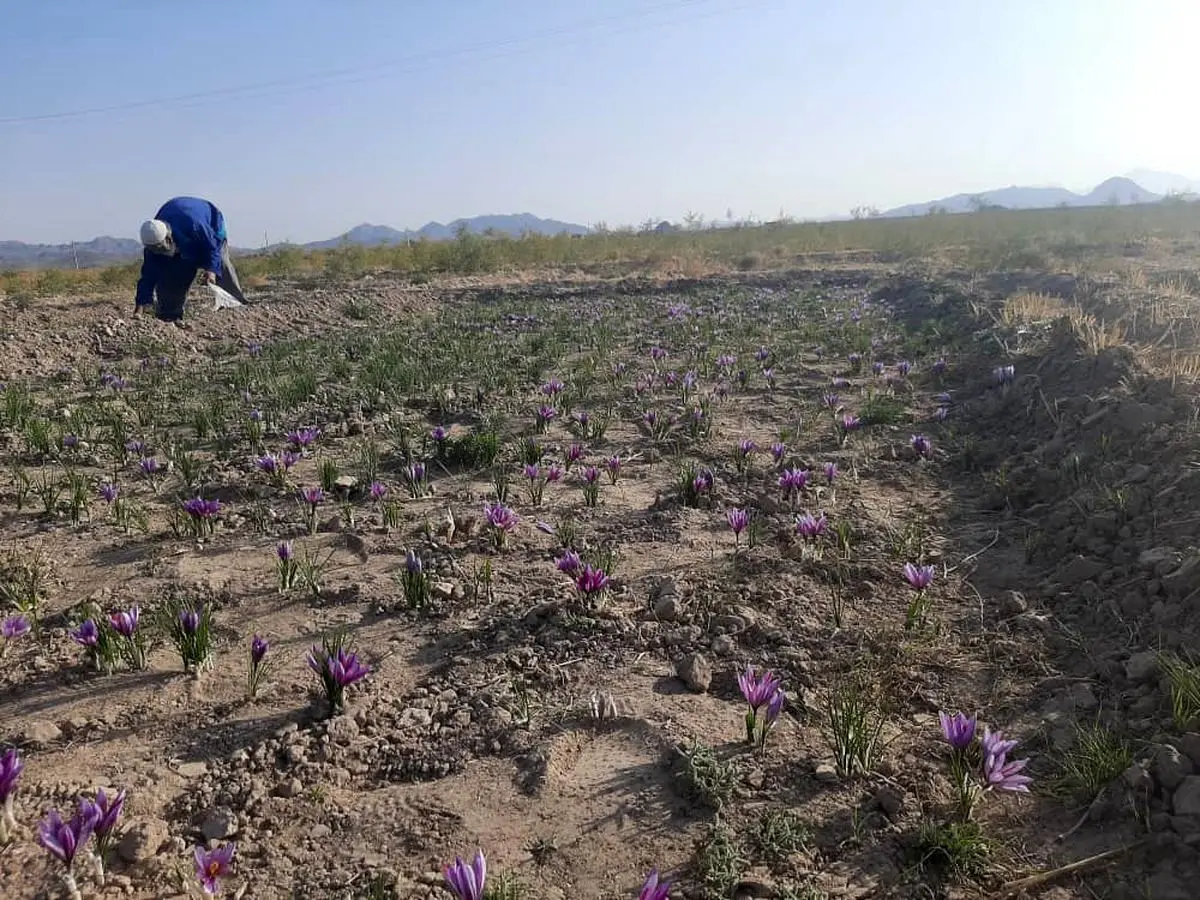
[(141, 839), (192, 769), (320, 831), (664, 587), (1014, 604), (42, 732), (443, 590), (345, 483), (889, 801), (220, 823), (415, 715), (826, 773), (668, 608), (1171, 767), (288, 788), (1186, 800), (343, 730), (695, 671), (1138, 779), (1081, 569), (722, 645), (1189, 745), (1142, 666)]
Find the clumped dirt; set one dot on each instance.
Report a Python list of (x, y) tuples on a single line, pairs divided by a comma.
[(579, 746)]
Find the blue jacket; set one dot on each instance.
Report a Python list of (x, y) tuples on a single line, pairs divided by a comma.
[(198, 229)]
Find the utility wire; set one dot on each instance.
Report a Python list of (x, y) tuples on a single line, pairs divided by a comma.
[(402, 65)]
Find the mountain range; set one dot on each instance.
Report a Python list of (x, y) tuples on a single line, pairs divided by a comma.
[(1120, 191), (1138, 186), (107, 250)]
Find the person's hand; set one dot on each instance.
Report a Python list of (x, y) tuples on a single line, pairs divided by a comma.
[(210, 277)]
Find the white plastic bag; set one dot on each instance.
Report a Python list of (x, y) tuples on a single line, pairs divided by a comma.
[(222, 299)]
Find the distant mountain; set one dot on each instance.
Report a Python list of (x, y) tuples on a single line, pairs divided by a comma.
[(1164, 182), (1121, 191), (511, 225), (97, 252), (109, 250)]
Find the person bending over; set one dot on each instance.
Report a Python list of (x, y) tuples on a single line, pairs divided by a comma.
[(186, 236)]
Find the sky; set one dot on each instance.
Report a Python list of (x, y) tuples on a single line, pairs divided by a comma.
[(303, 118)]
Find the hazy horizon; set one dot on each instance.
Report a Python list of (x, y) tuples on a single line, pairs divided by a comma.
[(302, 120)]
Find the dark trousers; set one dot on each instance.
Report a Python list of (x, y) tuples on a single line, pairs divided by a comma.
[(171, 292)]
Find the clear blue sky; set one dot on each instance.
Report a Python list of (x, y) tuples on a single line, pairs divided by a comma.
[(616, 110)]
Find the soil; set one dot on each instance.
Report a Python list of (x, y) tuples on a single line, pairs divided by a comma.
[(1058, 510)]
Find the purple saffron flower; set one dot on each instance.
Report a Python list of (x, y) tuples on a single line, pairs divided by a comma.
[(763, 354), (613, 465), (149, 466), (831, 472), (957, 729), (792, 481), (940, 414), (1004, 374), (554, 472), (702, 483), (658, 353), (778, 451), (13, 627), (921, 445), (500, 516), (378, 490), (135, 448), (918, 577), (415, 473), (87, 634), (544, 527), (544, 414), (745, 447), (284, 551), (574, 454), (342, 667), (831, 401), (109, 492), (256, 415), (654, 889), (998, 771), (70, 441), (839, 383), (258, 649), (855, 360), (939, 367), (65, 839), (125, 623), (107, 812), (288, 458), (590, 581), (811, 527), (553, 387), (302, 438), (189, 621), (943, 399), (850, 423), (412, 563), (213, 865), (590, 475), (466, 881), (877, 368), (758, 689), (199, 508), (11, 765), (268, 463), (312, 495), (569, 562), (726, 361), (903, 367), (439, 434), (738, 520)]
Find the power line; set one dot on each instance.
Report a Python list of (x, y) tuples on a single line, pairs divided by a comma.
[(395, 67)]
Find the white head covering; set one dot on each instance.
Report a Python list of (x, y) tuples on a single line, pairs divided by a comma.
[(154, 232)]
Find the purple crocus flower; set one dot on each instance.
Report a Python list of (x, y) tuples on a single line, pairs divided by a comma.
[(11, 765), (569, 562), (554, 472), (149, 466), (312, 495), (288, 458), (763, 354), (378, 490), (811, 527), (466, 881), (758, 689), (574, 454), (199, 508), (957, 729), (921, 445), (258, 649), (851, 422), (726, 361), (792, 481), (940, 414), (65, 839), (590, 581), (590, 475), (268, 463), (13, 627), (839, 383), (109, 492), (938, 367), (303, 437), (87, 634), (994, 744), (412, 563), (778, 451), (545, 413), (500, 516), (439, 434), (553, 387), (1004, 374), (70, 441), (284, 551), (855, 360), (189, 621), (213, 865), (658, 353), (904, 367), (135, 448), (998, 771), (107, 811), (738, 520), (125, 623), (654, 889), (342, 666), (831, 472), (745, 447), (831, 401), (877, 368), (918, 577)]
